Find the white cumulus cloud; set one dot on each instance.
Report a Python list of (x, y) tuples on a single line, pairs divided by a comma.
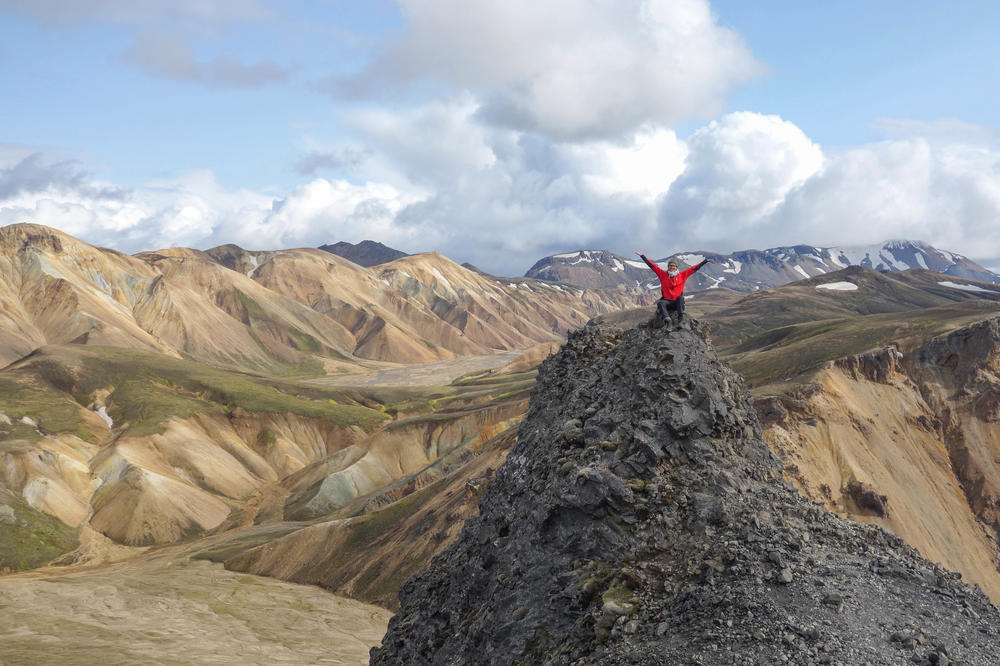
[(739, 169), (579, 69), (758, 181), (194, 210)]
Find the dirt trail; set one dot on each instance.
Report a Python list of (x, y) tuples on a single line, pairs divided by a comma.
[(167, 609)]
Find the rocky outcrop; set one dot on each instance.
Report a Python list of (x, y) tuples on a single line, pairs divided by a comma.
[(641, 518), (959, 377)]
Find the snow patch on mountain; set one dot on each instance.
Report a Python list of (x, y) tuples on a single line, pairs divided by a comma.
[(838, 286), (967, 287), (691, 259)]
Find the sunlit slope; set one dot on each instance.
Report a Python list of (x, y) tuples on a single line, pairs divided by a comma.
[(433, 467), (276, 312), (426, 307), (183, 445), (257, 328), (56, 289)]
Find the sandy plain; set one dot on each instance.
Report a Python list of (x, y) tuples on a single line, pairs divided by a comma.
[(166, 608)]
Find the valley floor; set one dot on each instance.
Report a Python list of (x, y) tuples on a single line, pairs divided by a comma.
[(421, 374), (168, 609)]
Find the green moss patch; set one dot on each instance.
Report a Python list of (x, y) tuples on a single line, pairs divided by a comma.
[(148, 388), (30, 396), (30, 538)]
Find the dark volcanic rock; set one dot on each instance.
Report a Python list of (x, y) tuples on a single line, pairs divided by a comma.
[(366, 253), (641, 519)]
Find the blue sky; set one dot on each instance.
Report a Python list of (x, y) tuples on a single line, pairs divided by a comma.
[(501, 132), (835, 67)]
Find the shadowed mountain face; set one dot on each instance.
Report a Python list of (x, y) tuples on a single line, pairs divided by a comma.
[(750, 270), (365, 253), (641, 518)]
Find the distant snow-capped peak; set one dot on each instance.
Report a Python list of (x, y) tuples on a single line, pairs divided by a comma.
[(749, 270)]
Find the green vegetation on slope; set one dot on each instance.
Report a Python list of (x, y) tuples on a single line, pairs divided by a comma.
[(51, 410), (877, 293), (783, 353), (148, 388), (30, 538)]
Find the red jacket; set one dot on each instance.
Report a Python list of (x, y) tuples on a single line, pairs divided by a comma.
[(672, 287)]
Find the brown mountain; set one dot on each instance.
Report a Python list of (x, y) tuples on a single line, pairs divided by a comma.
[(121, 411), (290, 311), (155, 343)]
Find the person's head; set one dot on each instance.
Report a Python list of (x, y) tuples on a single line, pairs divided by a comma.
[(672, 267)]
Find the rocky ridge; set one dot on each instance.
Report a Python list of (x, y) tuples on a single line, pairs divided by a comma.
[(641, 518)]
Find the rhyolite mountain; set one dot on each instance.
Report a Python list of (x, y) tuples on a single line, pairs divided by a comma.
[(750, 270), (366, 253), (641, 518), (285, 311), (147, 397)]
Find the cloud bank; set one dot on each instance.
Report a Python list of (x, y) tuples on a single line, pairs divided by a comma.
[(745, 180)]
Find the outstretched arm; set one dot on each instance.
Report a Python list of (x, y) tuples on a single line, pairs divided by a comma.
[(656, 269), (690, 271)]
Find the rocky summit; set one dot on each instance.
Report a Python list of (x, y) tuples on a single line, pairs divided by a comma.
[(642, 519)]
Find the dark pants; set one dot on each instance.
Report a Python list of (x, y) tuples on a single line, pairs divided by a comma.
[(665, 307)]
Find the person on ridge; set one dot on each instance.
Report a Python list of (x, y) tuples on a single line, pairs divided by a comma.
[(671, 286)]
